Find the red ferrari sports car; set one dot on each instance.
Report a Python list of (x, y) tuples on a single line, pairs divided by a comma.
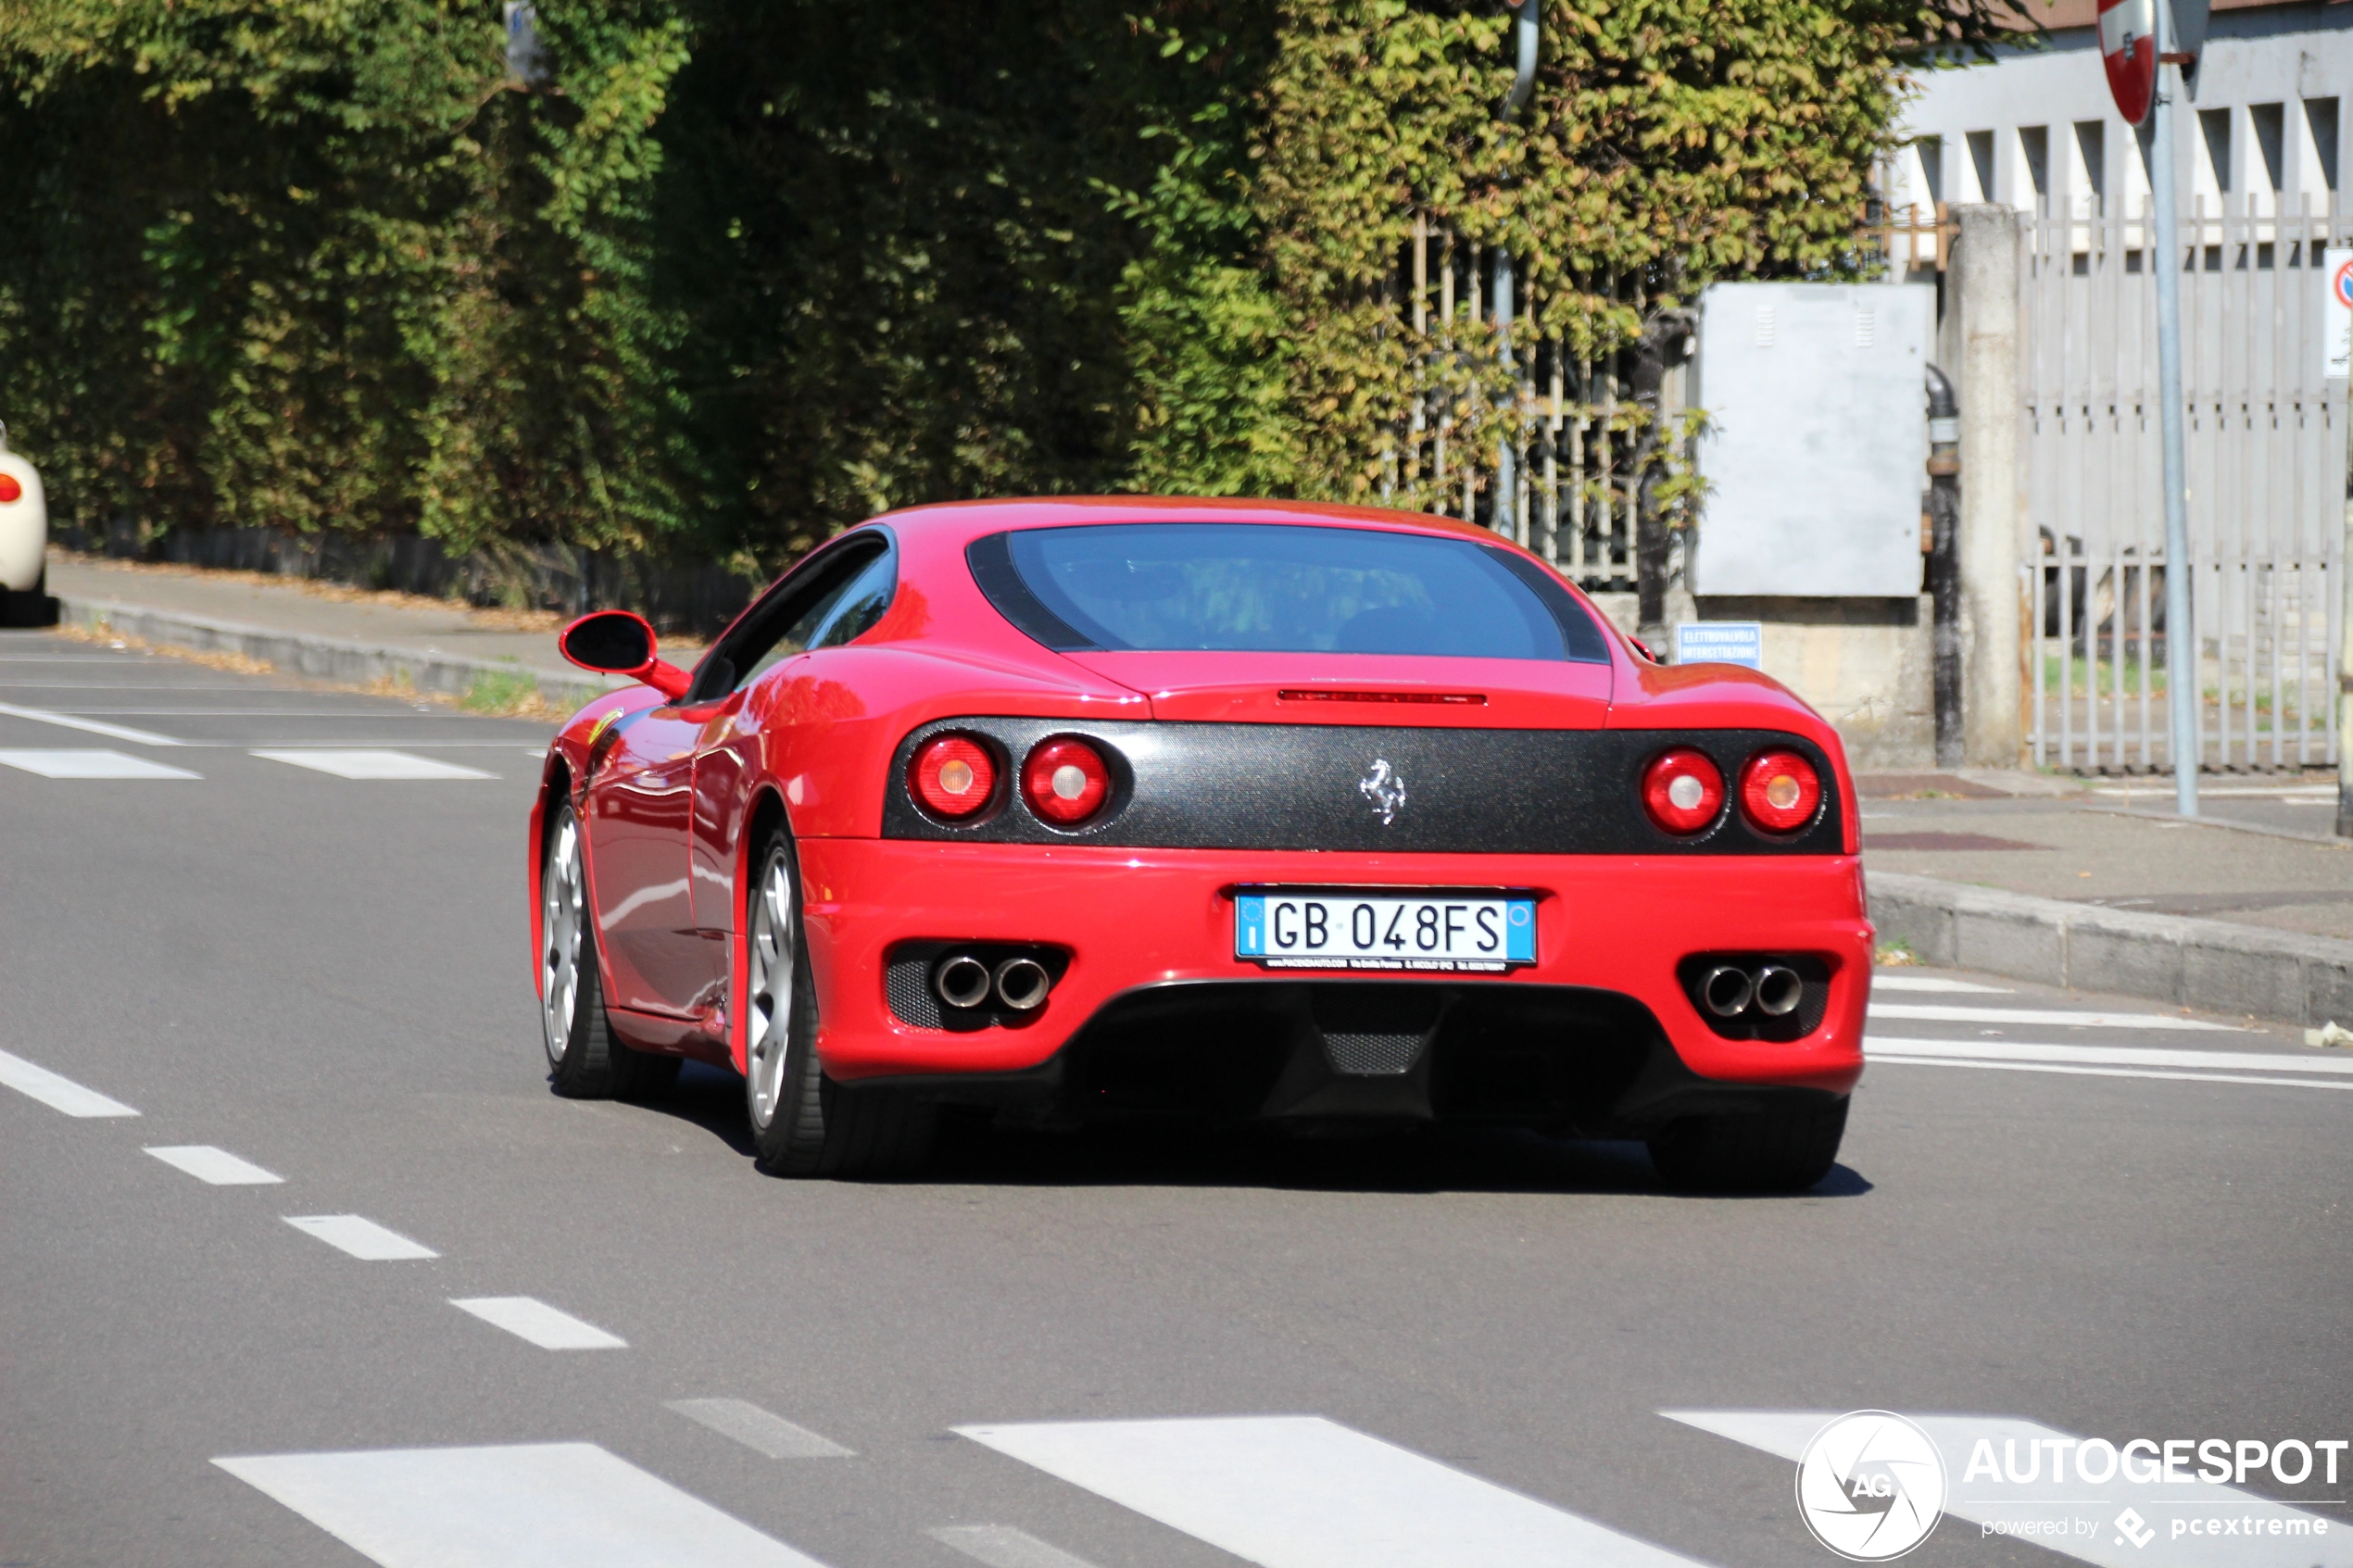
[(1100, 807)]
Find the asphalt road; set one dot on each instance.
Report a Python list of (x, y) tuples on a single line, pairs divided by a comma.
[(2038, 1220)]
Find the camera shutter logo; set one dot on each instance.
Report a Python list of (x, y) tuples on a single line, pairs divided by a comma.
[(1871, 1485)]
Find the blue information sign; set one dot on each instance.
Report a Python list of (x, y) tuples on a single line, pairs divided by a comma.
[(1720, 642)]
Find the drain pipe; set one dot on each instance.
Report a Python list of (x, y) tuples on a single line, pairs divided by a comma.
[(1944, 558), (1524, 84), (1503, 517)]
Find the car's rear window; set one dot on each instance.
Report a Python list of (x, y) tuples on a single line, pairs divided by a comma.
[(1278, 588)]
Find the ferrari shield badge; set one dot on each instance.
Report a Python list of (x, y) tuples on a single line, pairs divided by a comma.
[(2128, 47), (1384, 789)]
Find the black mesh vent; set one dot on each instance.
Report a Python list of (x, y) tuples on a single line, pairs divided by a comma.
[(1372, 1055), (907, 984)]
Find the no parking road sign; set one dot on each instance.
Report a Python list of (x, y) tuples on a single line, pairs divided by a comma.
[(2336, 311), (2128, 47)]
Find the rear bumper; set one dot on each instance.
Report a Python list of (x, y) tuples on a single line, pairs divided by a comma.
[(1149, 938)]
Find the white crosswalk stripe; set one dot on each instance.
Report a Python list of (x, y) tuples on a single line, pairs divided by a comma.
[(216, 1166), (2305, 1540), (397, 765), (1989, 1045), (56, 1091), (1305, 1492), (1895, 980), (1002, 1546), (2110, 1056), (529, 1319), (91, 763), (758, 1430), (2062, 1018), (87, 726), (362, 1237), (537, 1505)]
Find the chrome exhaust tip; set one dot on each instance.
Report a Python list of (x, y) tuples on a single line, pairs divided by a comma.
[(1022, 983), (961, 981), (1778, 990), (1727, 990)]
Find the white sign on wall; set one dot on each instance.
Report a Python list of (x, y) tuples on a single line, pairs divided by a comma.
[(1818, 447), (1720, 642), (2337, 315)]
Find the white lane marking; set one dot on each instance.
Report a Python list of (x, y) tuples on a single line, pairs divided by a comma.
[(373, 764), (2207, 793), (56, 1091), (91, 763), (217, 1167), (363, 1238), (1002, 1546), (528, 1318), (87, 726), (757, 1429), (1882, 981), (2107, 1056), (2272, 1083), (1786, 1432), (1305, 1492), (1927, 1012), (534, 1505)]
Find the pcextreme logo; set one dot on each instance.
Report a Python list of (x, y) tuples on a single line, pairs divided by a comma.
[(1871, 1485)]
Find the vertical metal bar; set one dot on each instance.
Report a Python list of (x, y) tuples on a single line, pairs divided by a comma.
[(1505, 516), (2178, 624)]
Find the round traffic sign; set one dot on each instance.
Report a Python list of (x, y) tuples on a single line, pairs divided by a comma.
[(2342, 286), (2127, 48)]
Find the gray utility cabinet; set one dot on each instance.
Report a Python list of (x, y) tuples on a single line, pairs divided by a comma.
[(1818, 450)]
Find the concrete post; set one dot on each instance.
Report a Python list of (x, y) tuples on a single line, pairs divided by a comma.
[(1984, 281)]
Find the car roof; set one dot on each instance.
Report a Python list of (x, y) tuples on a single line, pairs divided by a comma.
[(971, 520)]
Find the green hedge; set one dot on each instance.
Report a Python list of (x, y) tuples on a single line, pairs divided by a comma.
[(751, 269)]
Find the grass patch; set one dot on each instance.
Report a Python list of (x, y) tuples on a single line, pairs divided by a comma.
[(1894, 954), (503, 693)]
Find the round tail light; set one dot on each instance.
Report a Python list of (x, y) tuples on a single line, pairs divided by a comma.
[(9, 489), (1780, 791), (954, 775), (1682, 791), (1066, 781)]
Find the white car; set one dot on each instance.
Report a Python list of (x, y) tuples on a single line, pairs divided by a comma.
[(24, 542)]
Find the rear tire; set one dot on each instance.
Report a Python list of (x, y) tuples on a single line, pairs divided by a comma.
[(802, 1123), (31, 606), (1783, 1149), (584, 1061)]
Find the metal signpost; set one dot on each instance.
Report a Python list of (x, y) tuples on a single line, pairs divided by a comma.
[(2132, 36), (2336, 348)]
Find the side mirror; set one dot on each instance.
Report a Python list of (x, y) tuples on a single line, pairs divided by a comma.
[(619, 642)]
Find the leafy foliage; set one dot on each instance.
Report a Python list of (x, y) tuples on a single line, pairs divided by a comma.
[(751, 269)]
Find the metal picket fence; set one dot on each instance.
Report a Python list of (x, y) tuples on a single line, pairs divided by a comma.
[(2266, 462), (1577, 434)]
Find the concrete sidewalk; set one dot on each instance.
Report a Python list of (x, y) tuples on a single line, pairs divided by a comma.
[(326, 631), (2097, 884), (2066, 882)]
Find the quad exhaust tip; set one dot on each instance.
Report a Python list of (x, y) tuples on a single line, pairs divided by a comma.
[(1773, 990), (961, 981), (1727, 990), (1778, 990), (1022, 983)]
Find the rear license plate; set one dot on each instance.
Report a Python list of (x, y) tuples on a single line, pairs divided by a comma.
[(1338, 928)]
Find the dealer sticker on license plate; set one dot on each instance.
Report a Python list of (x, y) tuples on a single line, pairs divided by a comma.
[(1338, 928)]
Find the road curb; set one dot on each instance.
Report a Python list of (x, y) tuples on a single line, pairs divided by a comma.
[(2209, 964), (324, 658)]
